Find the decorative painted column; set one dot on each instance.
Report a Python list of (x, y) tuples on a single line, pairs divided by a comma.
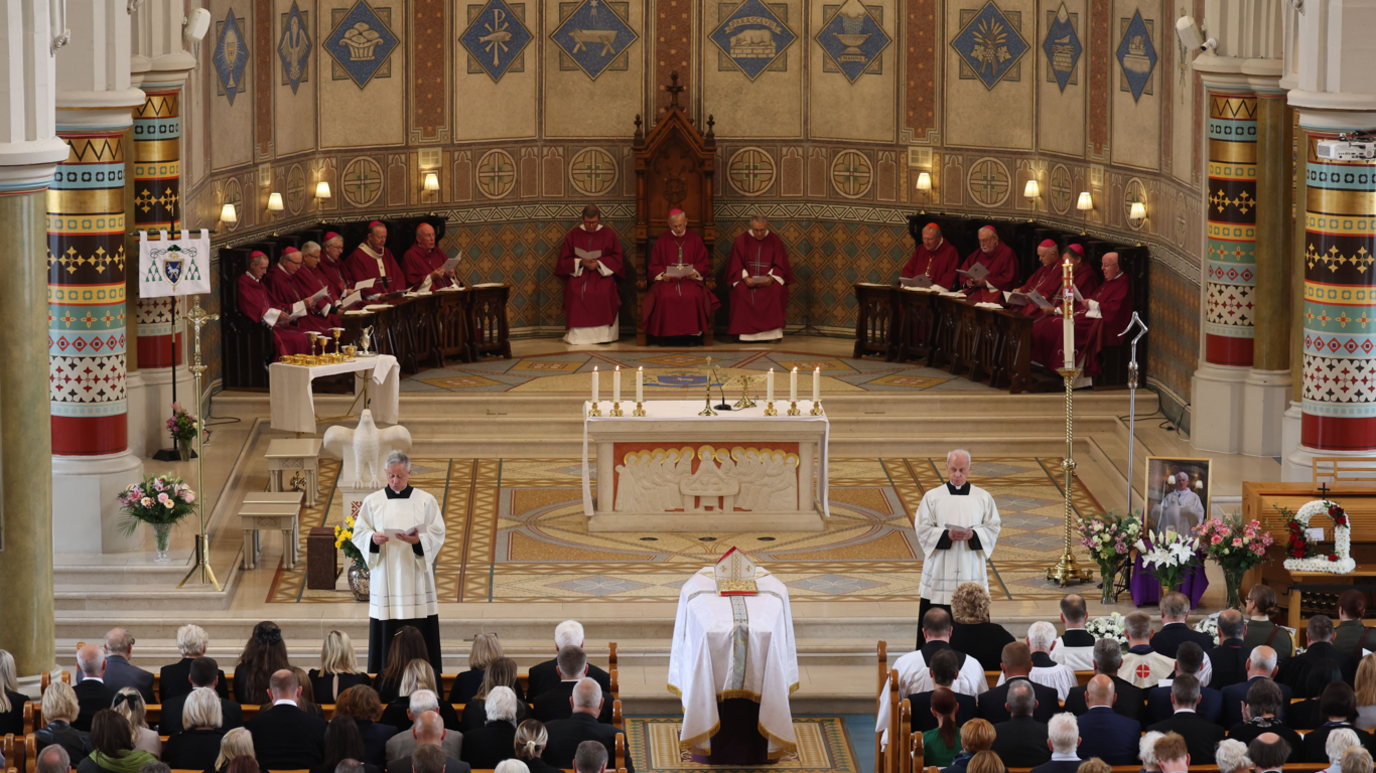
[(160, 67), (86, 283), (29, 152)]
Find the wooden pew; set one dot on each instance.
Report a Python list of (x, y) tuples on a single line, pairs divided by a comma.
[(620, 752), (883, 672), (9, 751), (30, 753), (906, 761)]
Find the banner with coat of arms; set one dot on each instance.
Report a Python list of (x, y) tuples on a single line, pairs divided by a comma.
[(178, 266)]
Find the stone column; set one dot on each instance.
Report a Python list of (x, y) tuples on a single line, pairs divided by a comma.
[(29, 152), (160, 67), (86, 283), (1338, 314), (1290, 423)]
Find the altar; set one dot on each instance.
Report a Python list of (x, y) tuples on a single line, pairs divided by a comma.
[(675, 471)]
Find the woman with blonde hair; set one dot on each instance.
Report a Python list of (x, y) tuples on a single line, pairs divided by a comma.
[(1365, 684), (11, 700), (531, 738), (60, 707), (338, 668), (197, 746), (1356, 760), (971, 631), (486, 648), (976, 736), (499, 673), (408, 644), (237, 743), (986, 762), (417, 675), (129, 704), (1096, 765)]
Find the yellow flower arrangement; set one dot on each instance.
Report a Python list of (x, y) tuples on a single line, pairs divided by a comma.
[(343, 539)]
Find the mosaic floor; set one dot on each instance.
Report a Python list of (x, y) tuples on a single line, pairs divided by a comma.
[(670, 372), (823, 745), (516, 532)]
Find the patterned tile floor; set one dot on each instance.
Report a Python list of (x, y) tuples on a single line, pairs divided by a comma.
[(516, 532), (670, 371)]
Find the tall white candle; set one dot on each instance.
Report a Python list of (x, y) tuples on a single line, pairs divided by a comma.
[(1068, 340), (640, 384), (769, 386), (816, 384), (616, 385), (594, 385), (793, 386)]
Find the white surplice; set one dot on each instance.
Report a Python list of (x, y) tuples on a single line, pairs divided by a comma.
[(402, 583), (734, 647), (944, 570), (1056, 676), (915, 676)]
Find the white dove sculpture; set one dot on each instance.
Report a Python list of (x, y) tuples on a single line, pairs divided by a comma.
[(367, 447)]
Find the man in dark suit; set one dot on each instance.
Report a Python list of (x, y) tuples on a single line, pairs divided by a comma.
[(1175, 608), (1021, 740), (427, 758), (92, 694), (429, 734), (1261, 664), (591, 757), (1017, 665), (173, 680), (1128, 698), (1104, 733), (1351, 636), (545, 676), (556, 702), (284, 736), (1063, 736), (119, 673), (566, 734), (1201, 736), (1268, 753), (1263, 708), (203, 673), (1228, 660), (945, 666), (1188, 660), (1295, 673)]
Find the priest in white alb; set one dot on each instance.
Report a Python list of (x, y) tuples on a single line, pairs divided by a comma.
[(957, 525), (400, 531)]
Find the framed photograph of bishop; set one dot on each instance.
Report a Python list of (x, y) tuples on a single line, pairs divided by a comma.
[(1177, 494)]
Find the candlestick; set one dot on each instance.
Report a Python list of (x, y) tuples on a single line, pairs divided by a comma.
[(769, 390), (769, 411), (640, 386), (616, 385), (639, 409), (793, 409), (816, 408), (816, 384), (793, 385), (616, 410)]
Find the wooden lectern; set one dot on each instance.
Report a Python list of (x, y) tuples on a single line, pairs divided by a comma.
[(674, 166)]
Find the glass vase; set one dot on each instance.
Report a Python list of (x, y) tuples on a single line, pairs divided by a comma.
[(184, 449), (162, 535), (1232, 578), (1109, 573)]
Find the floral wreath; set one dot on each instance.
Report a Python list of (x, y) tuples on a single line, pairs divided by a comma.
[(1302, 554)]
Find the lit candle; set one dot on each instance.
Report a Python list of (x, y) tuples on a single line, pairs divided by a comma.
[(816, 384), (1068, 321), (616, 385), (594, 385), (769, 387), (640, 384), (793, 386)]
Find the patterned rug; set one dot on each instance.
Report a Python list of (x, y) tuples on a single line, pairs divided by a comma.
[(670, 372), (516, 532), (823, 745)]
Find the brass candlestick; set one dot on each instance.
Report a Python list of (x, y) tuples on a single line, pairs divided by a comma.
[(793, 409), (1066, 569), (595, 410), (639, 410), (745, 401), (198, 319), (707, 406), (816, 408), (769, 411), (616, 410)]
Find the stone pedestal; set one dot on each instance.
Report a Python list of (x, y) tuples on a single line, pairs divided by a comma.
[(1216, 416), (1265, 397), (86, 517), (1291, 425)]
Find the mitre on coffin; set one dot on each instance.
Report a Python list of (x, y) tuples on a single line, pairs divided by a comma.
[(735, 574)]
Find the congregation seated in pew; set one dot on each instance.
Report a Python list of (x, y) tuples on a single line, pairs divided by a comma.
[(429, 738)]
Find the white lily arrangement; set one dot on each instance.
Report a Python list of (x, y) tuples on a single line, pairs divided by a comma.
[(1110, 627), (1168, 556)]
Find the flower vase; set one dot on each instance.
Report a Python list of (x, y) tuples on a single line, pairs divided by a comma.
[(162, 534), (359, 581), (1232, 578), (1109, 573), (184, 449)]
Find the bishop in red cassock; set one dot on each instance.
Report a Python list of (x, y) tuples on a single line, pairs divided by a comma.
[(1109, 310), (590, 263), (253, 300), (678, 306), (285, 287), (759, 274), (1082, 274), (935, 257), (331, 266), (372, 260), (424, 262), (311, 277), (1001, 262), (1046, 279)]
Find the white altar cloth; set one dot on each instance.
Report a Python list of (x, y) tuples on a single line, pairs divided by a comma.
[(734, 647), (293, 404), (685, 413)]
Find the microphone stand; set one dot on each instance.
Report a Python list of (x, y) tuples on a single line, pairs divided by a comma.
[(1132, 394)]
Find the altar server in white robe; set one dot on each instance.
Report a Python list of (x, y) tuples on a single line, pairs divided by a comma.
[(1041, 638), (915, 675), (400, 532), (952, 556), (1075, 647)]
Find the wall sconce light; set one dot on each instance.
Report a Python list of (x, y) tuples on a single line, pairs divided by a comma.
[(275, 202), (322, 190), (228, 214), (1085, 204), (1032, 190), (432, 181), (924, 184), (1137, 214)]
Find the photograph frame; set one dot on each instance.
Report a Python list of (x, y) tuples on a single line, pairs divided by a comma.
[(1199, 468)]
